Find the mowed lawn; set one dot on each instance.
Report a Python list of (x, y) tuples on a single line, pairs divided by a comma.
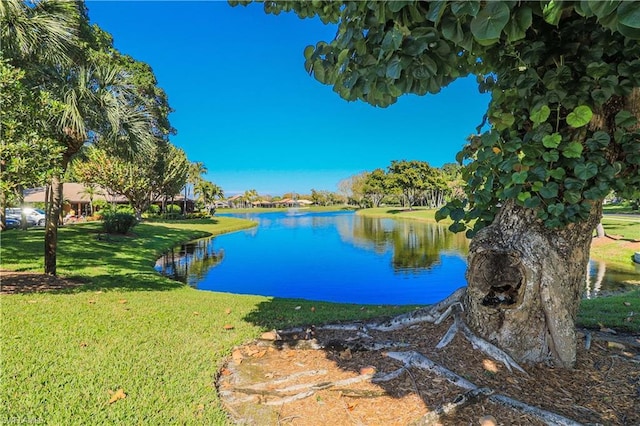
[(128, 346)]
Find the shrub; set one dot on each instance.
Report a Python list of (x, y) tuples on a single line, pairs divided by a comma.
[(153, 209), (172, 208), (118, 222)]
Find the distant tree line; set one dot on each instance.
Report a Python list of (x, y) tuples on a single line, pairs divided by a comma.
[(407, 183)]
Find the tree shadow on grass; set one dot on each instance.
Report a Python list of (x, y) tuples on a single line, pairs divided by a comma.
[(98, 261)]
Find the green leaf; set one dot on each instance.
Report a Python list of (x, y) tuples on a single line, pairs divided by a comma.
[(318, 71), (573, 183), (540, 115), (572, 197), (602, 8), (598, 70), (532, 202), (394, 68), (392, 40), (585, 171), (457, 214), (625, 119), (556, 209), (512, 192), (552, 12), (572, 150), (436, 9), (557, 173), (502, 120), (552, 140), (396, 5), (551, 156), (519, 24), (457, 227), (308, 52), (490, 21), (452, 30), (342, 57), (519, 177), (600, 139), (524, 196), (550, 190), (461, 8), (443, 213), (629, 32), (629, 14), (580, 116)]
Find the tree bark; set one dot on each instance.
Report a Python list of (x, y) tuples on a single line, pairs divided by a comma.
[(51, 227), (524, 284)]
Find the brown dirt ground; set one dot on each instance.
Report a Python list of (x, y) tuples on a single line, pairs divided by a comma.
[(603, 388)]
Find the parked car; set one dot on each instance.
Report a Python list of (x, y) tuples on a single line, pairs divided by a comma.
[(35, 217), (11, 223)]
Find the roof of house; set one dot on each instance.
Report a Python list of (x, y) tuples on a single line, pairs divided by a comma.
[(75, 193)]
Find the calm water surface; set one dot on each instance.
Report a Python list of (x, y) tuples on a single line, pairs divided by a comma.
[(329, 256), (338, 257)]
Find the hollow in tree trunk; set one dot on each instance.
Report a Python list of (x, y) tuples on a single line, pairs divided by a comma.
[(524, 284)]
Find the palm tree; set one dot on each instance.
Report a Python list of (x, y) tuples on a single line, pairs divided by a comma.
[(207, 192), (194, 177), (249, 197), (97, 104), (90, 191), (45, 30)]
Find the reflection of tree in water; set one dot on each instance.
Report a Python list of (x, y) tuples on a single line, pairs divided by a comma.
[(416, 246), (190, 262)]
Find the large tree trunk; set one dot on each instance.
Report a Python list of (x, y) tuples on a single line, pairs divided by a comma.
[(54, 206), (524, 284)]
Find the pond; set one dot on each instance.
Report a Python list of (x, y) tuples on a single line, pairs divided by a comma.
[(336, 257)]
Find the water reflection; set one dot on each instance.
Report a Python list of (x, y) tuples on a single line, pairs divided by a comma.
[(189, 263), (414, 246)]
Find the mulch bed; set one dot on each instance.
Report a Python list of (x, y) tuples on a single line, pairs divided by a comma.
[(12, 282)]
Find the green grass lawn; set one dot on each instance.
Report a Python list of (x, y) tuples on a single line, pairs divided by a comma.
[(417, 213), (63, 355)]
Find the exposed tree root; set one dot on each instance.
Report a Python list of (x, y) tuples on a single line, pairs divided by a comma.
[(451, 306), (462, 400), (314, 387), (432, 314), (415, 359), (428, 314), (478, 343)]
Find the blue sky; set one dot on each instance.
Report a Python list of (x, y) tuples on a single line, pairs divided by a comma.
[(245, 106)]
